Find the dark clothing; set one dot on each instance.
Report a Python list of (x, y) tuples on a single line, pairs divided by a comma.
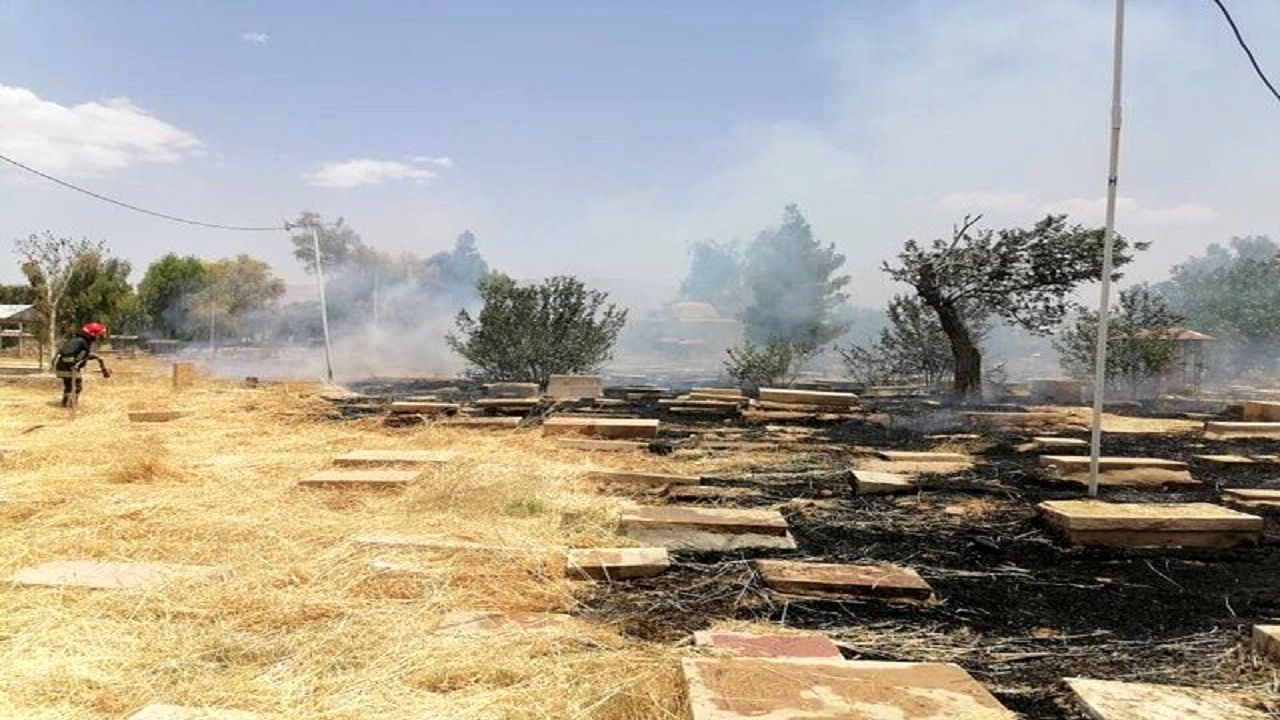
[(70, 360)]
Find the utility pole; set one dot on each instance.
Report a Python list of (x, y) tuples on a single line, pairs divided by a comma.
[(324, 308), (377, 272), (1108, 245), (213, 305)]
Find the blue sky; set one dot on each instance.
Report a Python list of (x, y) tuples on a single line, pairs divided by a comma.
[(599, 138)]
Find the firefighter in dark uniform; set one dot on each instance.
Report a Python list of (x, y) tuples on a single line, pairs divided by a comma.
[(74, 354)]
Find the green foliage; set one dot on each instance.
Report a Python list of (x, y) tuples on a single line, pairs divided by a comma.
[(340, 245), (17, 295), (774, 362), (715, 276), (530, 332), (49, 262), (911, 348), (236, 292), (99, 290), (165, 292), (1140, 347), (1232, 294), (792, 286)]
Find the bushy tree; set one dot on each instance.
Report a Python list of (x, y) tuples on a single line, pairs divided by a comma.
[(774, 362), (340, 245), (165, 293), (792, 286), (49, 263), (1022, 275), (235, 290), (17, 295), (715, 276), (99, 290), (1140, 344), (530, 332)]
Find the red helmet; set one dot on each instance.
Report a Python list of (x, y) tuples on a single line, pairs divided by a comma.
[(95, 330)]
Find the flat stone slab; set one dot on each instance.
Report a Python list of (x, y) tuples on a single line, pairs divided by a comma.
[(374, 458), (573, 387), (1120, 471), (1112, 700), (464, 623), (361, 478), (828, 579), (1261, 411), (155, 415), (1046, 442), (1226, 459), (422, 407), (512, 390), (806, 645), (611, 428), (617, 563), (702, 528), (513, 403), (1221, 430), (1091, 522), (485, 423), (637, 478), (741, 688), (913, 456), (96, 575), (182, 712), (869, 482), (808, 397), (1266, 641), (595, 445), (1252, 497), (731, 392)]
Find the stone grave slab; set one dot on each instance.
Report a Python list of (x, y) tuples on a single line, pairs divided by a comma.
[(597, 445), (1222, 430), (1226, 459), (484, 423), (1252, 497), (1266, 641), (740, 688), (739, 644), (149, 416), (1092, 522), (731, 392), (386, 458), (1119, 471), (1113, 700), (182, 712), (1049, 442), (512, 390), (869, 482), (573, 387), (704, 528), (1261, 411), (710, 492), (509, 403), (354, 478), (96, 575), (638, 479), (476, 622), (830, 579), (422, 407), (609, 428), (616, 563), (913, 456), (840, 400)]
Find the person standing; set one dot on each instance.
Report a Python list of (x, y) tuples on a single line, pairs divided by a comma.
[(73, 355)]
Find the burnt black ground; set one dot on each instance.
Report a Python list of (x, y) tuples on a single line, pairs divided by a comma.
[(1018, 608)]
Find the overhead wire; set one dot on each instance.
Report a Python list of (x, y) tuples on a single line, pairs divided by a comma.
[(1245, 46)]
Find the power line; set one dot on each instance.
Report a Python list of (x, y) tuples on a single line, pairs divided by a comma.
[(135, 208), (1245, 46)]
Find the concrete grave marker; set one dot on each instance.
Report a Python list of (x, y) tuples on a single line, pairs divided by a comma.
[(610, 428), (616, 563), (347, 478), (1091, 522), (868, 482), (184, 373), (806, 645), (1261, 411), (97, 575), (181, 712), (1266, 641), (1220, 430), (1112, 700), (402, 458), (912, 456), (1047, 442), (684, 527), (841, 400), (1252, 497), (155, 415), (1119, 471), (828, 579), (574, 387), (742, 688), (710, 492)]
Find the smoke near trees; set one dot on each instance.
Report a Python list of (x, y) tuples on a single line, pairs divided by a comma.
[(1141, 342)]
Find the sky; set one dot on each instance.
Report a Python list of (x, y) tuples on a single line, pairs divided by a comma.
[(601, 138)]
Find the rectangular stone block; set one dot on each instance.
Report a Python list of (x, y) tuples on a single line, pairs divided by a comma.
[(743, 688), (1113, 700), (912, 456), (828, 579), (636, 478), (485, 423), (1220, 430), (710, 492), (96, 575), (610, 428), (155, 415), (512, 390), (867, 482), (1119, 471), (739, 644), (764, 522), (1252, 497), (422, 407), (387, 458), (1092, 522), (1261, 411), (1266, 641), (1047, 442), (724, 392), (573, 387), (344, 478), (184, 373), (837, 400), (181, 712), (509, 403), (616, 563), (578, 443)]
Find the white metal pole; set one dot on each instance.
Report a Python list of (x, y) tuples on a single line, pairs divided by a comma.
[(324, 308), (1108, 244)]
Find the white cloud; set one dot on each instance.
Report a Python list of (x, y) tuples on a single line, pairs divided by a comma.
[(1130, 211), (442, 161), (89, 138), (255, 38), (365, 171)]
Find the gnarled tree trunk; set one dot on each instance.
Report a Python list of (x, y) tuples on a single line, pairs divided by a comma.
[(967, 387)]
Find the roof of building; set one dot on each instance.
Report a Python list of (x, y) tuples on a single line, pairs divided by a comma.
[(9, 312), (1175, 333)]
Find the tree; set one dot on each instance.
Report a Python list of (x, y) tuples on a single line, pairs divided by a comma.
[(1232, 294), (1023, 275), (339, 243), (17, 295), (457, 273), (48, 263), (912, 347), (165, 291), (99, 290), (1140, 344), (792, 286), (715, 276), (235, 288), (530, 332), (771, 363)]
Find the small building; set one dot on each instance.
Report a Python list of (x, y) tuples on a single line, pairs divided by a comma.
[(1187, 366), (16, 324)]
